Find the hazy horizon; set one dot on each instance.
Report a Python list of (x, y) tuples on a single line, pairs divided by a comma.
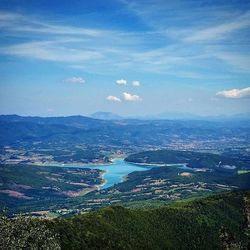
[(162, 115)]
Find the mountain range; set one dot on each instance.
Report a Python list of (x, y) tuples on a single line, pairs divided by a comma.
[(171, 116)]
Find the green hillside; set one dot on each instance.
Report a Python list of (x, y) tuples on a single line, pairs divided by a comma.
[(207, 223), (215, 222), (192, 159)]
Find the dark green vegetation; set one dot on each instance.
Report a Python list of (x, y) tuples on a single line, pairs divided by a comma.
[(31, 188), (191, 159), (26, 233), (216, 222)]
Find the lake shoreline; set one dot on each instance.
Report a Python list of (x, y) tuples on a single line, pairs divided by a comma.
[(104, 181), (78, 164), (156, 164), (116, 171)]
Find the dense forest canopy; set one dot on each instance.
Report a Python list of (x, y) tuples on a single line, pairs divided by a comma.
[(216, 222)]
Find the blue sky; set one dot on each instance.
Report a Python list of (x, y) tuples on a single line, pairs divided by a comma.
[(129, 57)]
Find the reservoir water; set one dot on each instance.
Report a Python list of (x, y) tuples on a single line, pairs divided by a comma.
[(116, 172)]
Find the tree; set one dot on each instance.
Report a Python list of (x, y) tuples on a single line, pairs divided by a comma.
[(26, 233)]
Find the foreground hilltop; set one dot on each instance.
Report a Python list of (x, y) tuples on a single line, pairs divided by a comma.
[(216, 222)]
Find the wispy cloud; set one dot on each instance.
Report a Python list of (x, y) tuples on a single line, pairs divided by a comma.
[(222, 25), (51, 51), (113, 98), (21, 23), (81, 44), (75, 80), (235, 93), (236, 60), (215, 21), (130, 97), (176, 49), (220, 31)]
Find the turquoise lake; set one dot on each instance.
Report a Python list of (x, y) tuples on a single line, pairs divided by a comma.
[(116, 172)]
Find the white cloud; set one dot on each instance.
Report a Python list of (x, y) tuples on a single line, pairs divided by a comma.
[(131, 98), (121, 82), (136, 83), (75, 80), (235, 93), (113, 98)]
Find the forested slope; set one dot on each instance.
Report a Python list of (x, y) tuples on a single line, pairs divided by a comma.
[(217, 222), (192, 159)]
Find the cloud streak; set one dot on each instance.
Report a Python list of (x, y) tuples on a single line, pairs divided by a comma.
[(221, 30), (176, 49), (50, 51), (21, 23)]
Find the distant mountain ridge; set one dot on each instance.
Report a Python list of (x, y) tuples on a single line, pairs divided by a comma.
[(73, 119), (171, 116), (189, 116)]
